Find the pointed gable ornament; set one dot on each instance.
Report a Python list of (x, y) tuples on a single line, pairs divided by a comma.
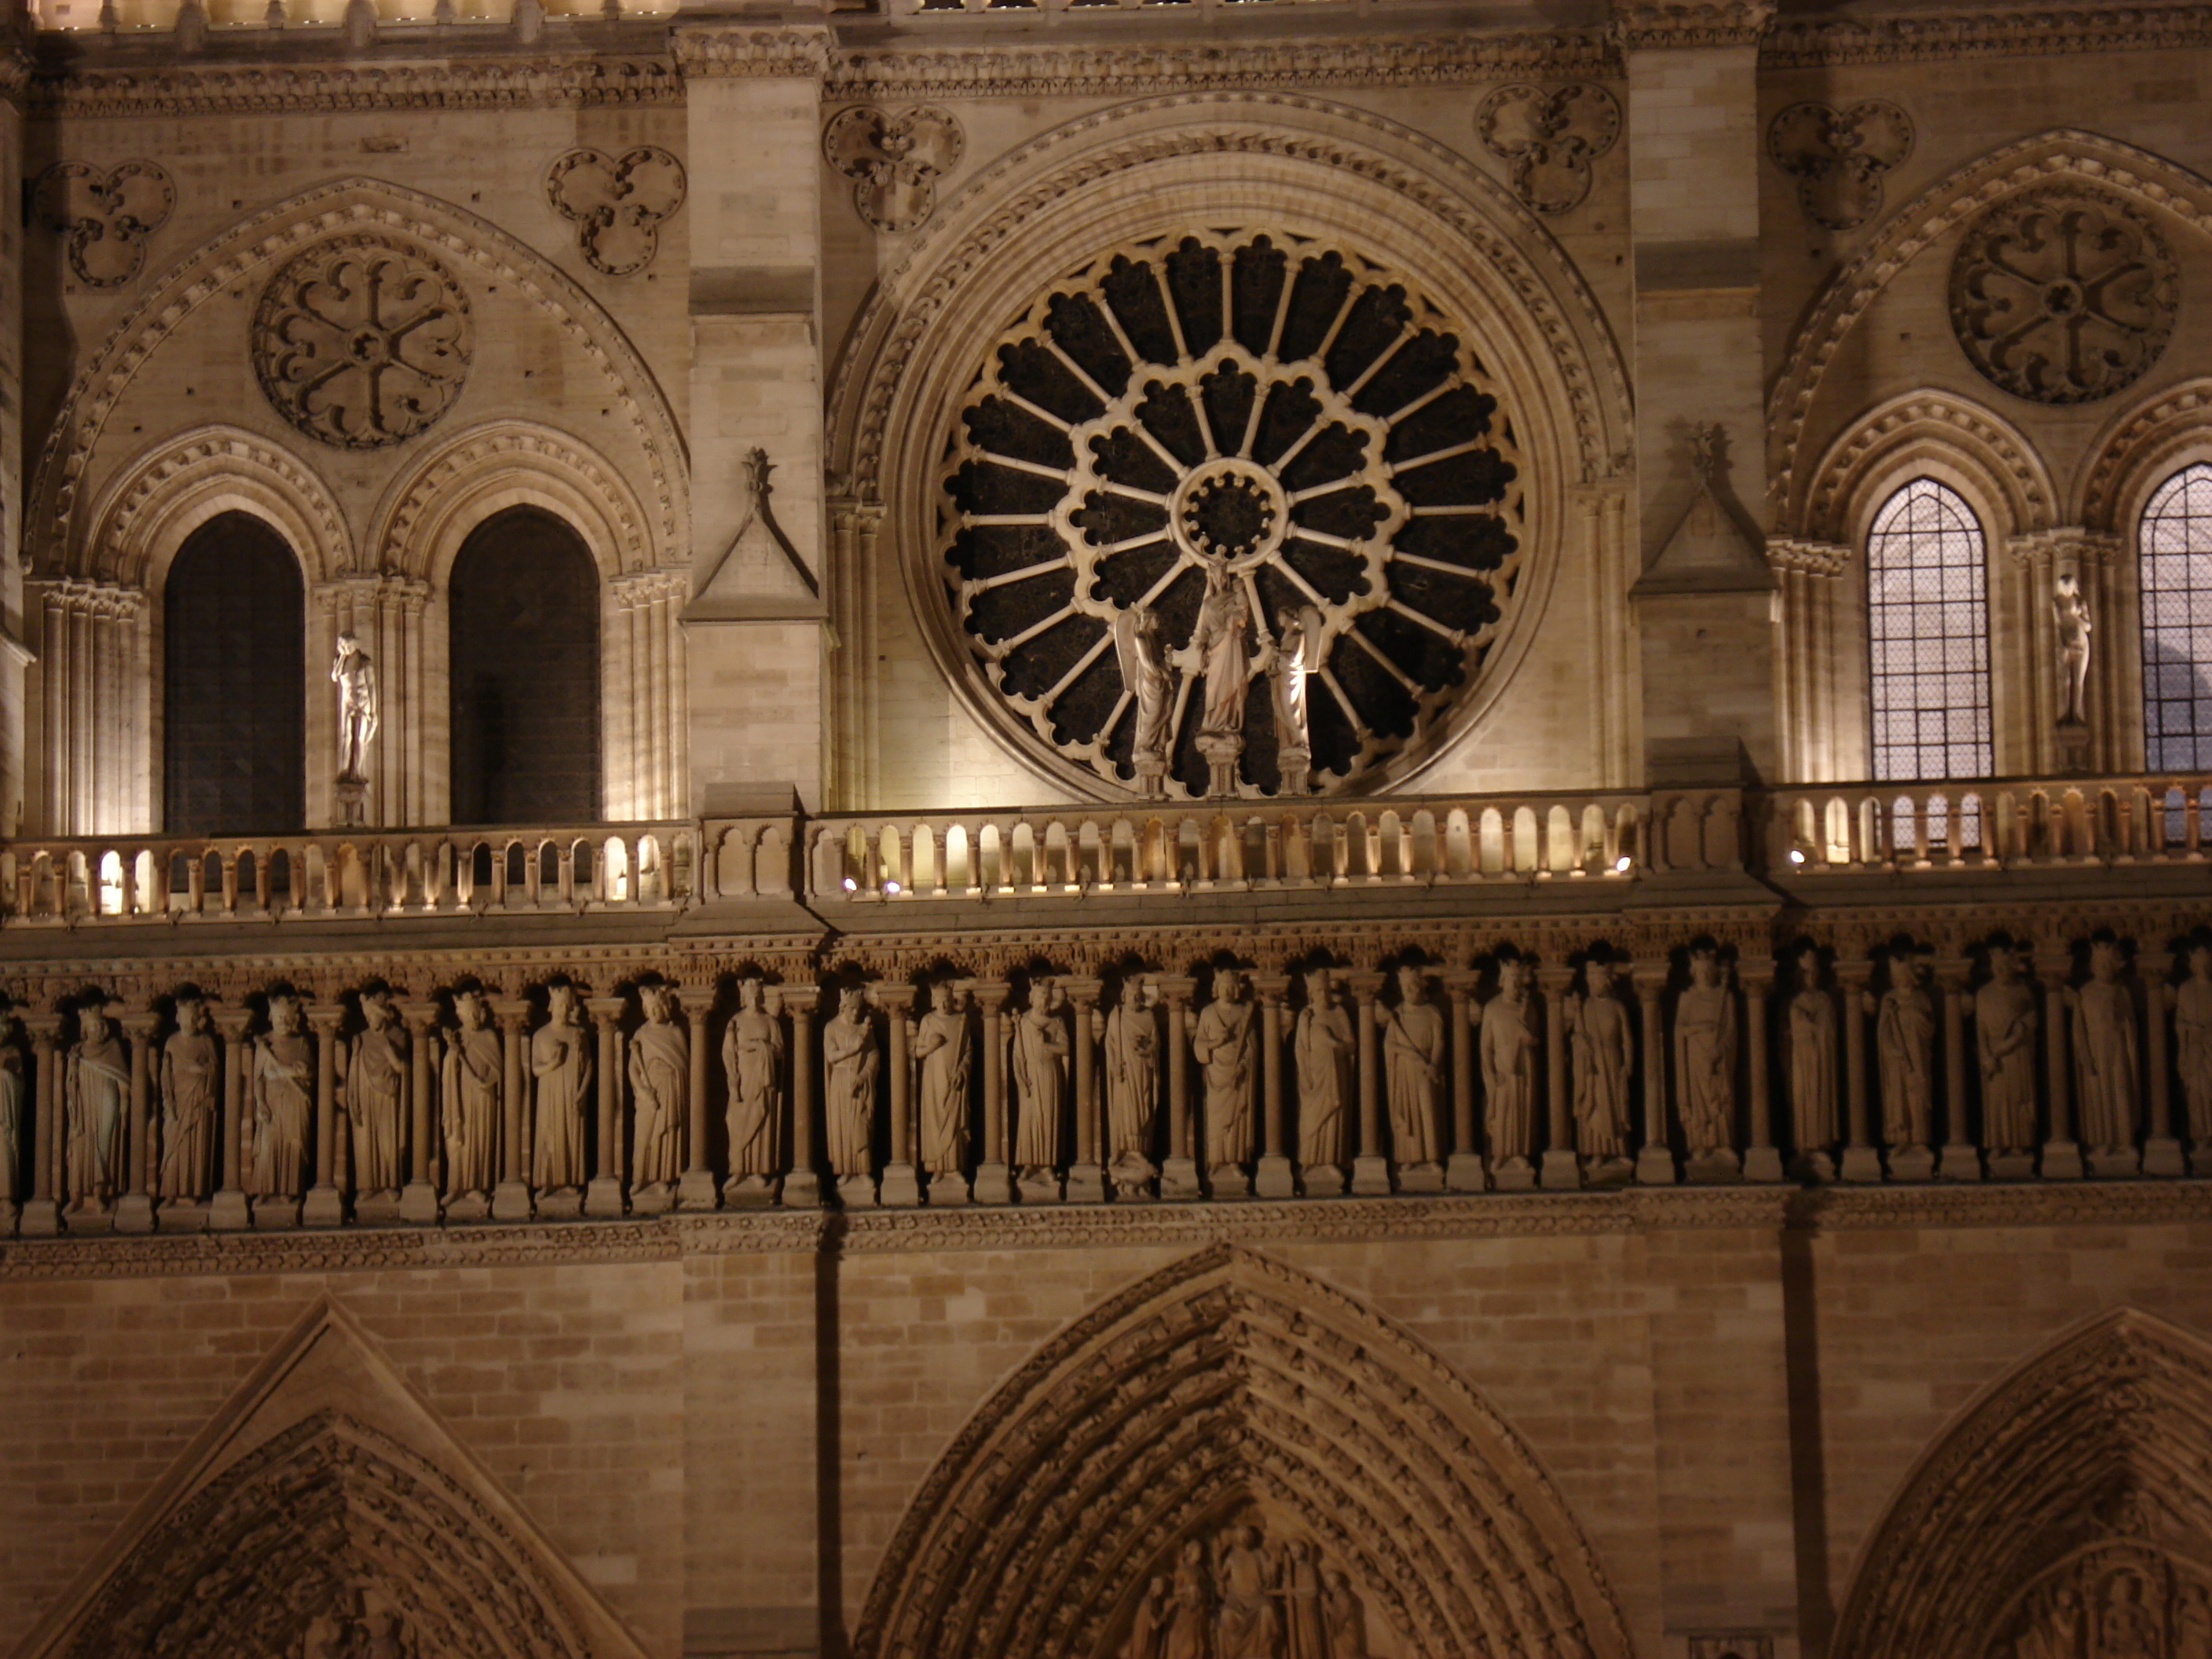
[(762, 575), (1711, 550)]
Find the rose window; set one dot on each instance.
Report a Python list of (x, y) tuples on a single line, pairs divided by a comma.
[(1232, 513)]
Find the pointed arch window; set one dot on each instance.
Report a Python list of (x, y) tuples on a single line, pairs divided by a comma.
[(2174, 555), (1928, 634), (234, 654)]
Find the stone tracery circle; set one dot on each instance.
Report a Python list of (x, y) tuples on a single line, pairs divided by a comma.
[(1291, 413), (362, 343), (2063, 297)]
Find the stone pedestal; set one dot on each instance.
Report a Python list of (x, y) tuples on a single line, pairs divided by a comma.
[(1370, 1175), (695, 1190), (1086, 1184), (856, 1192), (324, 1208), (1179, 1178), (1034, 1186), (948, 1190), (352, 796), (902, 1188), (1274, 1178), (134, 1214), (1959, 1163), (2012, 1166), (2074, 744), (750, 1192), (995, 1184), (1463, 1172), (1862, 1163), (2061, 1161), (2115, 1164), (1227, 1181), (2162, 1157), (1559, 1169), (1912, 1164), (42, 1218), (1719, 1167), (1322, 1180), (602, 1198)]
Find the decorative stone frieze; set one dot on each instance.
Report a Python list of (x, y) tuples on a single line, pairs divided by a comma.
[(1548, 137), (894, 161), (1936, 37), (105, 218), (1641, 25), (733, 52), (616, 203), (1838, 156), (286, 89)]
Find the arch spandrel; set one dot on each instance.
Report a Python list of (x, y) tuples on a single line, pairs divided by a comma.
[(2092, 1460), (1230, 1391)]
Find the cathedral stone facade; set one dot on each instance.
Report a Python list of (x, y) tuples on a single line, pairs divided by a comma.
[(1067, 830)]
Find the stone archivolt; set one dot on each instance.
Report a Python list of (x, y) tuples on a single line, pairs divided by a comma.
[(2070, 1505), (1230, 1388), (1898, 439)]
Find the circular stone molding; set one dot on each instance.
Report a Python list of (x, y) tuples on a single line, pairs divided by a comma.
[(1241, 429), (2063, 297), (361, 342)]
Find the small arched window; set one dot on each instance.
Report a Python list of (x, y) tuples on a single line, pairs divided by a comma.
[(1928, 634), (524, 660), (2174, 547), (233, 654)]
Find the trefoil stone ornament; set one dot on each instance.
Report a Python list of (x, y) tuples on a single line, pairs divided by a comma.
[(105, 218), (616, 203), (894, 161), (1548, 136), (1838, 156)]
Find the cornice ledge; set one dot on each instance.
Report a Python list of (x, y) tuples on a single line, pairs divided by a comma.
[(735, 51), (275, 89), (2053, 1204), (349, 1251), (1643, 24), (1046, 71), (1828, 43)]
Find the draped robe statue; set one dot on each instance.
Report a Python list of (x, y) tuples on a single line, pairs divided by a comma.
[(14, 1092), (1325, 1048), (1812, 1054), (472, 1088), (1040, 1052), (2004, 1041), (849, 1063), (2192, 1042), (1704, 1057), (1509, 1067), (1226, 1041), (660, 1088), (2105, 1053), (283, 1103), (191, 1104), (1133, 1079), (96, 1095), (1904, 1042), (752, 1061), (1604, 1056), (942, 1052), (376, 1097), (561, 1072), (1413, 1039)]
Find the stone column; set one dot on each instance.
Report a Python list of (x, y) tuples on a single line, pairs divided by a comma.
[(2162, 1154), (2061, 1153), (1086, 1172), (418, 1199), (325, 1205), (510, 1199), (134, 1211), (1463, 1168), (994, 1182), (1179, 1172), (230, 1211), (1370, 1166), (603, 1196), (41, 1215), (697, 1189), (1862, 1163), (1273, 1177), (1959, 1160), (1559, 1167), (1655, 1160), (902, 1180), (803, 1184), (1761, 1161)]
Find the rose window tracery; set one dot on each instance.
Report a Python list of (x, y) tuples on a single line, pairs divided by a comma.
[(2062, 297), (1232, 512), (360, 343)]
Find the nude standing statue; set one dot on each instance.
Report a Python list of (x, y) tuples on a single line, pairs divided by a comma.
[(1325, 1048), (1705, 1056), (376, 1097), (2110, 1077), (2071, 611), (1811, 1060), (1414, 1038), (1508, 1069), (1041, 1050), (660, 1087), (2004, 1039), (1226, 1041), (2192, 1042), (1133, 1080), (561, 1072), (1905, 1041), (1605, 1055), (472, 1087), (942, 1051), (849, 1062), (355, 676), (283, 1103), (753, 1062), (191, 1087)]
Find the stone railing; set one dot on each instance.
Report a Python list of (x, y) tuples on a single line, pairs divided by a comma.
[(335, 873), (1081, 10), (2003, 823)]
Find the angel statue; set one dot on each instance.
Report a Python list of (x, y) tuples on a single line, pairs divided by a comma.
[(1150, 684)]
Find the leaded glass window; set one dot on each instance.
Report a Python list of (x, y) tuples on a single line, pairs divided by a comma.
[(1928, 630), (2175, 551)]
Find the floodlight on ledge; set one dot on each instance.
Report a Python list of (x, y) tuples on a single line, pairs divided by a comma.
[(1622, 865), (891, 888), (1796, 855), (851, 886)]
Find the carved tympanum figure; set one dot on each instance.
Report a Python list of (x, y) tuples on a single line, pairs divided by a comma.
[(472, 1087), (283, 1103), (849, 1062), (376, 1095), (2105, 1052), (562, 1071), (942, 1055), (1812, 1069), (1413, 1039), (1605, 1055), (660, 1086), (1249, 1622), (1905, 1040), (1225, 1039), (1039, 1050), (752, 1061), (13, 1094), (1133, 1079), (1705, 1056), (2192, 1042), (95, 1089), (1325, 1048), (2004, 1040), (1508, 1068), (1347, 1616), (1241, 1593), (192, 1089)]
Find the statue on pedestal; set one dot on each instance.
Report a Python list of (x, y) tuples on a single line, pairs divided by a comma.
[(850, 1060), (96, 1092), (1325, 1047), (1508, 1068), (660, 1086), (752, 1061), (1150, 682), (375, 1096), (2004, 1038), (1132, 1081), (283, 1103), (1225, 1039), (472, 1086), (1705, 1056), (562, 1071), (1413, 1039), (941, 1054), (191, 1103), (1605, 1055), (1041, 1051)]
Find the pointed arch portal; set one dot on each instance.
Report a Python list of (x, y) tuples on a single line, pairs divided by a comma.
[(1231, 1391)]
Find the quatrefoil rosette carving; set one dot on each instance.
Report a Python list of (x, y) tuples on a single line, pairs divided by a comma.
[(1839, 157), (2063, 297), (1548, 136), (1253, 406), (616, 203), (361, 342), (894, 161), (105, 219)]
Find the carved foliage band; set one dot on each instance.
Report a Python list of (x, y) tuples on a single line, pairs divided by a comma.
[(105, 219), (1549, 139), (616, 203), (2063, 297), (361, 342), (1837, 157), (894, 161)]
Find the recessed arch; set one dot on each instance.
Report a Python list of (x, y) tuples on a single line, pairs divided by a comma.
[(2143, 445), (1227, 1382), (2102, 1440), (1970, 447)]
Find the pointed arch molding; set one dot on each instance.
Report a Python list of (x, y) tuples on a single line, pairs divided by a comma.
[(1230, 1378), (2063, 154), (2145, 444), (264, 239), (2105, 1438), (1887, 445)]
